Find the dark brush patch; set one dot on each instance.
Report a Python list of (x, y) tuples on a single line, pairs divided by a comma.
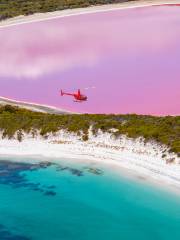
[(13, 174), (7, 235)]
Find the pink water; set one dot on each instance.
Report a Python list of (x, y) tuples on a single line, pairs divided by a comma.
[(128, 59)]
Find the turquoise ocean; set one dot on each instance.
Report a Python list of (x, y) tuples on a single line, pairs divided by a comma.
[(68, 200)]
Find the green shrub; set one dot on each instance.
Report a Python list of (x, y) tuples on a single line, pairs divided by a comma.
[(85, 137), (12, 8), (164, 130)]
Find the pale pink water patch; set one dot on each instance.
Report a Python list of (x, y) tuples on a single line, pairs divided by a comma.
[(129, 59)]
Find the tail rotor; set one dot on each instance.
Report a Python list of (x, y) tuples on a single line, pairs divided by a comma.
[(90, 87)]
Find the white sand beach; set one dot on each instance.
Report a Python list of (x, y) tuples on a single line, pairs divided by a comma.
[(143, 159), (79, 11)]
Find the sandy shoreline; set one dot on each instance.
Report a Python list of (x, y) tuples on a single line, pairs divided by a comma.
[(79, 11), (35, 106), (133, 158)]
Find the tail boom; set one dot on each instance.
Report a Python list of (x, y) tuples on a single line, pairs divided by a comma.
[(62, 94)]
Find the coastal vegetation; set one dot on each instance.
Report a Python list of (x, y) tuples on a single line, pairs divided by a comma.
[(9, 8), (165, 130)]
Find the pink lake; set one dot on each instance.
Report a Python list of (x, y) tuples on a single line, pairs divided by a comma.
[(128, 59)]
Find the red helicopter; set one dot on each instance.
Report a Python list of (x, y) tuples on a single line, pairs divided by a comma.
[(78, 96)]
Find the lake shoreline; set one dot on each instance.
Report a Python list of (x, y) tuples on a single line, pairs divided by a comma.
[(38, 17)]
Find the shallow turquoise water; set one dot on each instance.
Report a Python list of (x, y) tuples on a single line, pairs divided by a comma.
[(82, 201)]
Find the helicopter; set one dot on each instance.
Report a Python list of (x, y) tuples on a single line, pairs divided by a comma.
[(77, 96)]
